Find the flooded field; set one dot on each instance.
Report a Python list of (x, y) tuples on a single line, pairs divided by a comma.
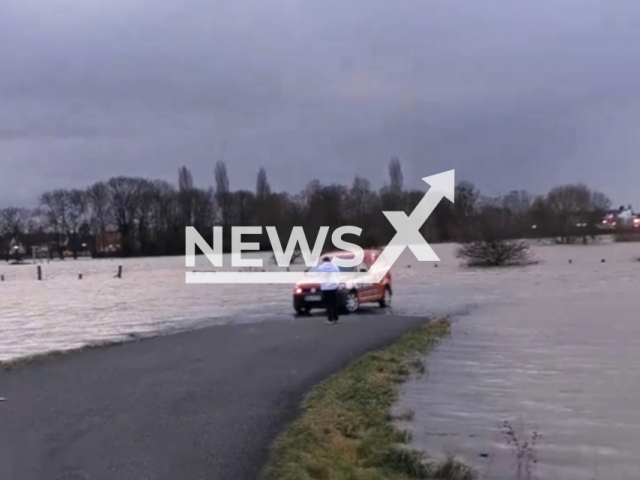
[(553, 348), (62, 311)]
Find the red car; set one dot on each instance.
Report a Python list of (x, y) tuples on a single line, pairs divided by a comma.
[(307, 296)]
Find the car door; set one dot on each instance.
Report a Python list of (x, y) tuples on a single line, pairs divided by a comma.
[(367, 290), (376, 290)]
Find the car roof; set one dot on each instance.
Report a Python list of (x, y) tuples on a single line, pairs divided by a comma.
[(342, 253)]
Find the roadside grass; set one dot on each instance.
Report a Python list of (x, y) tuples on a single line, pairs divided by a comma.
[(346, 431)]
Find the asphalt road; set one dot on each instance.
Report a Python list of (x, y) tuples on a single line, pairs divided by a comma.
[(193, 406)]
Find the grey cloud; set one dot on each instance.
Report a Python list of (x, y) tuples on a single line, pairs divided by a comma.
[(512, 94)]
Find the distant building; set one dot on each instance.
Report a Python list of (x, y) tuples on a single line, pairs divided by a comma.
[(109, 243), (620, 218), (76, 245), (15, 246), (16, 250)]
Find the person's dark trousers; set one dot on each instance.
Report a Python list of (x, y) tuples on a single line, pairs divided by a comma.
[(330, 298)]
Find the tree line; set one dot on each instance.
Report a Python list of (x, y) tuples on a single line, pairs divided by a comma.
[(150, 216)]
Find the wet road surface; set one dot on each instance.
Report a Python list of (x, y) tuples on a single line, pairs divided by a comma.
[(204, 404)]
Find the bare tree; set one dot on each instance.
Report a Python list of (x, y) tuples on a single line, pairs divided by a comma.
[(392, 195), (99, 212), (159, 207), (145, 201), (263, 189), (14, 224), (517, 204), (56, 209), (395, 176), (14, 221), (570, 212), (151, 215), (125, 194), (186, 196), (264, 205), (204, 212), (76, 218), (466, 196), (223, 194), (244, 201), (323, 206), (361, 200), (467, 199), (185, 179), (600, 203)]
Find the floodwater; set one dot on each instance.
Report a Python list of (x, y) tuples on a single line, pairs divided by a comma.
[(553, 348), (64, 312)]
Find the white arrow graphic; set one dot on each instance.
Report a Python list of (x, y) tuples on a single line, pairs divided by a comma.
[(408, 228)]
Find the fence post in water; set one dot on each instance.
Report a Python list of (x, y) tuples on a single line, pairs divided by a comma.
[(1, 278), (79, 276), (39, 272), (119, 275)]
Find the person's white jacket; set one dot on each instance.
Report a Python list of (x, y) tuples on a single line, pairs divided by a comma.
[(330, 281)]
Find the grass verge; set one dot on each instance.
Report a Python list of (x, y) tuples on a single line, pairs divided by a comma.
[(345, 431)]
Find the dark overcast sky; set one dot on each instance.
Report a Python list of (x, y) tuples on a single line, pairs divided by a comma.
[(510, 93)]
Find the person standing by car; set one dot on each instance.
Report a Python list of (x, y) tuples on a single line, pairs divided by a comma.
[(329, 288)]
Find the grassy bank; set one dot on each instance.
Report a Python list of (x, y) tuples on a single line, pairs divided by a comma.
[(345, 431)]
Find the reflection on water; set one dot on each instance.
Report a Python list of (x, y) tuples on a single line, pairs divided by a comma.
[(64, 312), (553, 347)]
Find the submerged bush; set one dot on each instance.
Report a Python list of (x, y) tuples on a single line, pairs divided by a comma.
[(495, 253)]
